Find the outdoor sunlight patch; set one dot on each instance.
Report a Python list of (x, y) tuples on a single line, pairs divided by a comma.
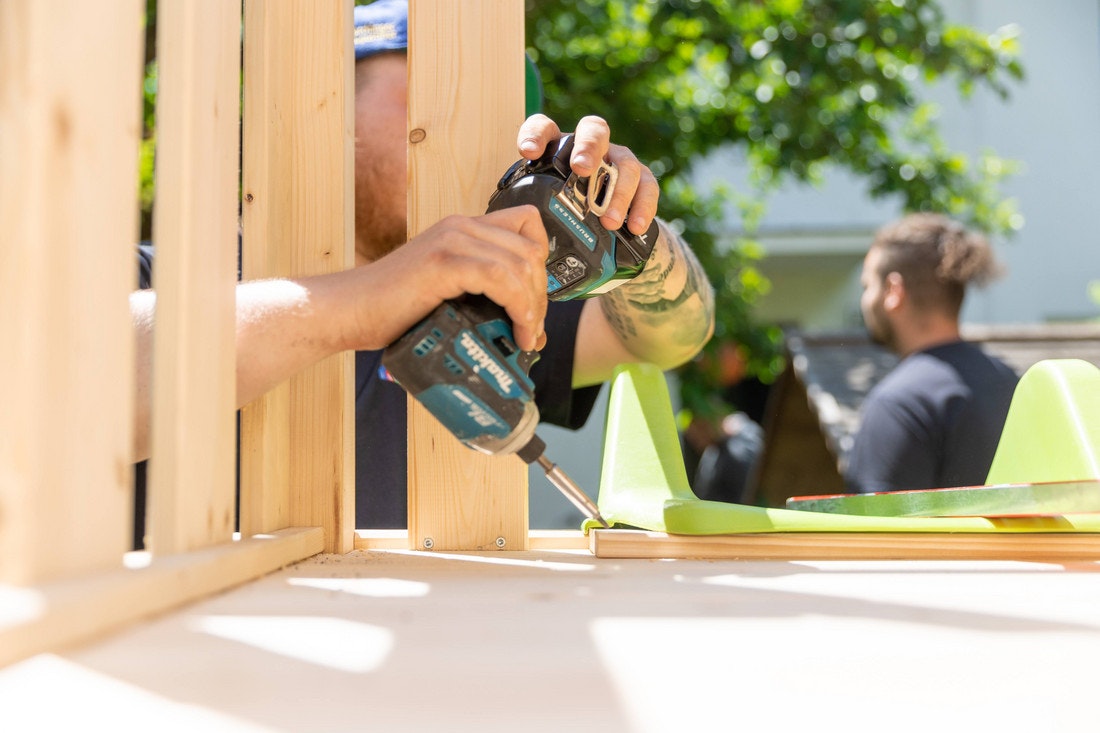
[(51, 692), (19, 605), (328, 642), (370, 587)]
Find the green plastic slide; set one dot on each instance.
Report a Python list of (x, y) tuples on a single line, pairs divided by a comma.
[(644, 483), (1052, 432)]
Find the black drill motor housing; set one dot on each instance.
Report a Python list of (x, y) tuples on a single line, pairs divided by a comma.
[(585, 258)]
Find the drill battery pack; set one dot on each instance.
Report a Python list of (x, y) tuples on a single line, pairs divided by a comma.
[(585, 258)]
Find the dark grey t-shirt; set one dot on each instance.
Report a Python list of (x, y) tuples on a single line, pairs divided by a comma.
[(933, 422)]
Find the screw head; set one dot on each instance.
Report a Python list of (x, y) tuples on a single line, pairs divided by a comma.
[(501, 542), (429, 543)]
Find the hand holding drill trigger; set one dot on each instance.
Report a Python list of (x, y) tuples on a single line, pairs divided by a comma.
[(461, 361)]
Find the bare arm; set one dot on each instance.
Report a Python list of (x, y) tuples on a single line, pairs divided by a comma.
[(142, 308), (663, 316), (285, 325)]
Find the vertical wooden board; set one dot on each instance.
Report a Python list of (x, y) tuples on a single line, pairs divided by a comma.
[(298, 441), (70, 84), (265, 435), (192, 472), (466, 77)]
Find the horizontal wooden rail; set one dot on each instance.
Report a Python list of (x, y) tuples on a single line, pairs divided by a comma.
[(1024, 547), (49, 616), (537, 539)]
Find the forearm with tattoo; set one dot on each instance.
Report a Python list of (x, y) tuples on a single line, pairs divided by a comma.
[(666, 313)]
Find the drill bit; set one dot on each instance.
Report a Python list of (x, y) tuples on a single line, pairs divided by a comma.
[(533, 453), (572, 492)]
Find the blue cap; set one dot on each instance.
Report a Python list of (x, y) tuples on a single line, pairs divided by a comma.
[(384, 26), (381, 26)]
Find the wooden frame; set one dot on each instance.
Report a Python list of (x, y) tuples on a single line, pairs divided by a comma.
[(67, 162), (67, 199)]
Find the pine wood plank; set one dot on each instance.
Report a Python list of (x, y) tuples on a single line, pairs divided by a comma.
[(192, 472), (297, 453), (51, 616), (1034, 547), (537, 539), (70, 82), (465, 105)]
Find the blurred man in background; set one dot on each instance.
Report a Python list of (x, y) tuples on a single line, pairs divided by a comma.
[(936, 419)]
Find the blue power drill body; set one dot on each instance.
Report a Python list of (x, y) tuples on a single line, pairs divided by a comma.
[(461, 361)]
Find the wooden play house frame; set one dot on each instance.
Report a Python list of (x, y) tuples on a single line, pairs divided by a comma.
[(70, 121), (70, 76)]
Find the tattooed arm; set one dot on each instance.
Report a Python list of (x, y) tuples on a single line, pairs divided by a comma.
[(663, 316)]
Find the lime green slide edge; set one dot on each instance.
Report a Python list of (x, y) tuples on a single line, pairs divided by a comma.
[(644, 483), (698, 517)]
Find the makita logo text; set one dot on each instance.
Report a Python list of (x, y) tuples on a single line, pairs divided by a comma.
[(486, 362)]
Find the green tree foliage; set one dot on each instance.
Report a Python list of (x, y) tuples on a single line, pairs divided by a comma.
[(148, 148), (798, 85)]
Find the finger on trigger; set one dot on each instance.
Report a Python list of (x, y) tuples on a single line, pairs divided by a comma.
[(629, 174), (591, 142), (526, 332)]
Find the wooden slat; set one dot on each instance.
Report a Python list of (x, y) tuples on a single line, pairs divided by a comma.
[(537, 539), (192, 470), (50, 616), (1050, 547), (70, 84), (297, 451), (465, 106)]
